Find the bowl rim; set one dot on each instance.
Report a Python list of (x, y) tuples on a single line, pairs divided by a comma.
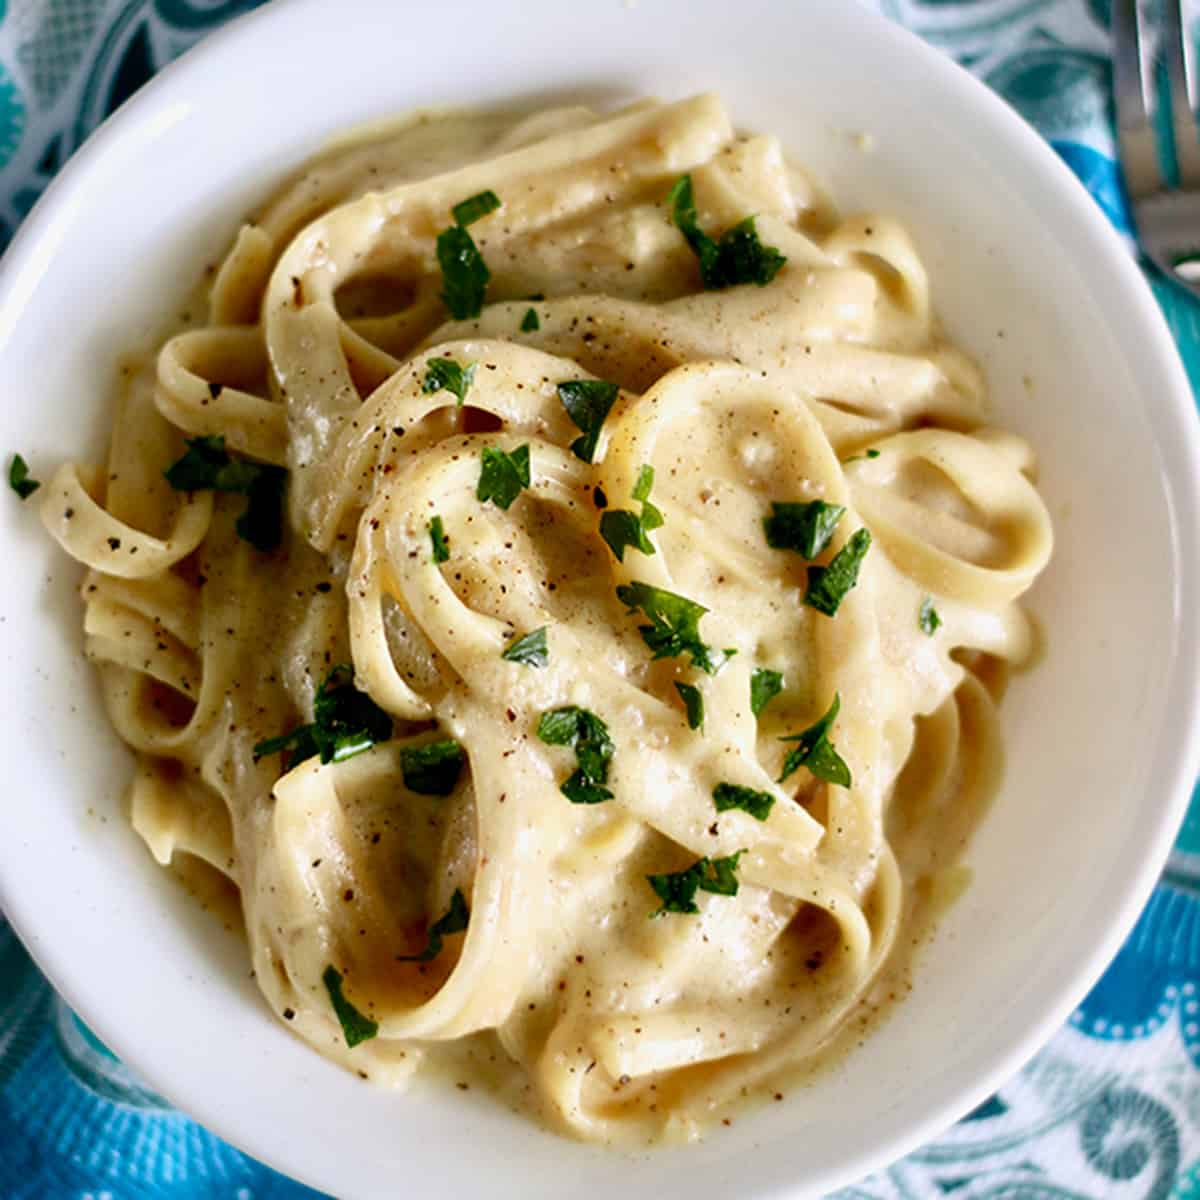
[(1176, 431)]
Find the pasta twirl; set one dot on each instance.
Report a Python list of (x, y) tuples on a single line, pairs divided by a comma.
[(565, 588)]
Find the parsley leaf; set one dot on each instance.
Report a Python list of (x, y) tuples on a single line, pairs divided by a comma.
[(621, 528), (455, 920), (437, 535), (207, 466), (467, 212), (677, 891), (730, 795), (530, 322), (587, 402), (674, 627), (355, 1027), (432, 769), (928, 618), (503, 475), (559, 726), (445, 373), (531, 650), (18, 478), (872, 453), (580, 790), (816, 752), (742, 258), (588, 735), (464, 273), (804, 528), (765, 685), (262, 523), (738, 257), (693, 702), (345, 723), (827, 586)]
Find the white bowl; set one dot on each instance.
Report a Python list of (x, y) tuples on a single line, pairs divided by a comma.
[(1102, 736)]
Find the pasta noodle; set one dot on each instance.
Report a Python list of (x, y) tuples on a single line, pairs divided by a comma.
[(617, 691)]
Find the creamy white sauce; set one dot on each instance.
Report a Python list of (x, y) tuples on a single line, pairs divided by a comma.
[(563, 995)]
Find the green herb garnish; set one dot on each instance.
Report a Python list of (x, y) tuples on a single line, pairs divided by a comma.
[(621, 528), (804, 528), (738, 257), (437, 535), (827, 586), (355, 1027), (345, 723), (678, 890), (927, 617), (464, 273), (502, 475), (445, 373), (530, 322), (18, 478), (531, 650), (432, 769), (455, 920), (207, 466), (729, 795), (467, 212), (872, 453), (587, 402), (674, 627), (816, 752), (765, 685), (693, 702), (588, 735)]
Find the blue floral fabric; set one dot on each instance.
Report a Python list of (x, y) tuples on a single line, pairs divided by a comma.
[(1111, 1108)]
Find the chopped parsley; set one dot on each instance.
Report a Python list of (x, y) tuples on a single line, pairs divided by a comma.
[(207, 466), (621, 528), (674, 627), (531, 650), (467, 212), (432, 769), (355, 1027), (437, 535), (18, 478), (727, 796), (765, 685), (737, 257), (588, 736), (455, 920), (827, 586), (678, 890), (872, 453), (804, 528), (345, 723), (587, 402), (530, 322), (502, 475), (693, 702), (815, 751), (464, 273), (927, 617), (446, 374)]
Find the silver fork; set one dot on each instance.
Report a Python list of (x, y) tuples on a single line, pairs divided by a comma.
[(1167, 219)]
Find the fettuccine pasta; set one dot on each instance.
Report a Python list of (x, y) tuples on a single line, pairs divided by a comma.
[(562, 583)]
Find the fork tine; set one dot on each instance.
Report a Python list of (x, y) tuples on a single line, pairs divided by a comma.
[(1183, 120), (1135, 135)]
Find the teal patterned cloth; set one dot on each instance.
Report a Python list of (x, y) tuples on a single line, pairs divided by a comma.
[(1111, 1108)]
